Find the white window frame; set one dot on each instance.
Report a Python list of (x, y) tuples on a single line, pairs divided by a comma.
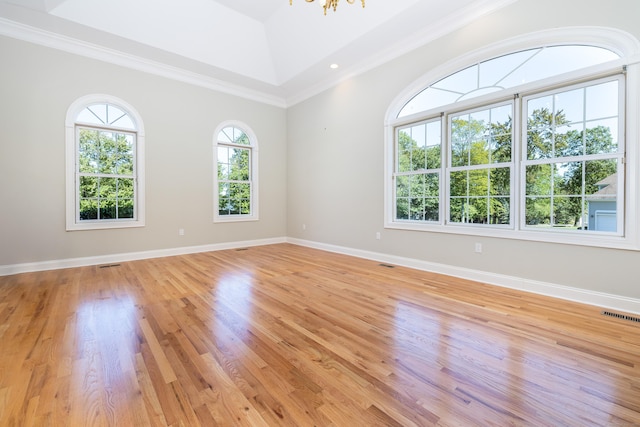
[(253, 179), (449, 168), (73, 222), (619, 155), (622, 43)]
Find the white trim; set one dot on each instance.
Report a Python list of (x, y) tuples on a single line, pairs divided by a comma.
[(68, 44), (254, 216), (583, 296), (6, 270), (72, 224), (599, 299)]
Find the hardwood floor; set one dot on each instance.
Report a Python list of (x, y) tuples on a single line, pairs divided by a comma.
[(284, 335)]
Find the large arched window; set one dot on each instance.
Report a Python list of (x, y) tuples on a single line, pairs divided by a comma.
[(236, 178), (105, 164), (526, 144)]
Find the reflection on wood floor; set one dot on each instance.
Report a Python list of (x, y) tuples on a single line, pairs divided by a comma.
[(283, 335)]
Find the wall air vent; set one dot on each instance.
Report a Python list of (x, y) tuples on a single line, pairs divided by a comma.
[(621, 316)]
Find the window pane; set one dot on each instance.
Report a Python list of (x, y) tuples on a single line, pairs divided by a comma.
[(538, 211), (233, 135), (477, 210), (601, 137), (434, 142), (125, 208), (88, 153), (500, 182), (501, 134), (223, 163), (88, 187), (602, 101), (462, 82), (570, 105), (540, 122), (107, 188), (107, 209), (106, 115), (88, 209), (402, 186), (431, 209), (458, 183), (404, 150), (456, 209), (108, 149), (568, 140), (125, 188), (417, 209), (538, 180), (418, 155), (239, 164), (478, 182), (462, 135), (125, 155), (402, 208), (499, 210)]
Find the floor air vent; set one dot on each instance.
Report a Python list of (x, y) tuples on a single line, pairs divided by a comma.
[(387, 265), (110, 265), (621, 316)]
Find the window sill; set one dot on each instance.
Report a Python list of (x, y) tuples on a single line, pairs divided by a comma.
[(568, 238), (100, 225), (235, 218)]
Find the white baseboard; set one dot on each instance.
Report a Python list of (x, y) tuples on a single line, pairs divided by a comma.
[(6, 270), (599, 299)]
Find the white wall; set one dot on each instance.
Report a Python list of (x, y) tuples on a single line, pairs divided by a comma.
[(335, 161), (37, 86)]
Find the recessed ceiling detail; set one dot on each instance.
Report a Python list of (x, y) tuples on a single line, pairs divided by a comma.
[(265, 46)]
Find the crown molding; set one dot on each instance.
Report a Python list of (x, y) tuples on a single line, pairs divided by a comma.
[(50, 39)]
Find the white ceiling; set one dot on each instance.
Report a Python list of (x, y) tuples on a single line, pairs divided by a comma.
[(264, 46)]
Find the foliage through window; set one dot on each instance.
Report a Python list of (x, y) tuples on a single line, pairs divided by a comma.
[(236, 166), (522, 142), (106, 163)]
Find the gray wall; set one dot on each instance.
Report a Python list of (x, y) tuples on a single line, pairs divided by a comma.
[(335, 161), (37, 86)]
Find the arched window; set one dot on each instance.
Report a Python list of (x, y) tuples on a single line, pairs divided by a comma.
[(105, 164), (236, 178), (527, 144)]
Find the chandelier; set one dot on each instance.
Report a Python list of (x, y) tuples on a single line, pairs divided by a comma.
[(328, 4)]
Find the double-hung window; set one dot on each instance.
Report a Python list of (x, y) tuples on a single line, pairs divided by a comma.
[(104, 165), (235, 180), (526, 145)]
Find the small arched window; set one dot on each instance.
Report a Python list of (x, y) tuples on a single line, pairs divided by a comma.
[(105, 164), (528, 144), (236, 178)]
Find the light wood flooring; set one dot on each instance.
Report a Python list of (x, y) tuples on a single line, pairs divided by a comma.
[(283, 335)]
